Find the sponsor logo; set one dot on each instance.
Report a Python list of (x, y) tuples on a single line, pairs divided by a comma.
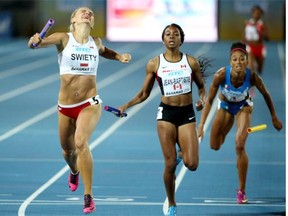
[(82, 49)]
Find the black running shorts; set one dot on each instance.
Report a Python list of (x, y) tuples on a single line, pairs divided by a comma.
[(177, 115)]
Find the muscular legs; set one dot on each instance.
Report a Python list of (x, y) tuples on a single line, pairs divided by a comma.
[(220, 128), (222, 124), (243, 122), (167, 135), (186, 137), (66, 133), (74, 138)]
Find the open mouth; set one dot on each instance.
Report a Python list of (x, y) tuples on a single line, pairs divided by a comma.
[(86, 18), (238, 67)]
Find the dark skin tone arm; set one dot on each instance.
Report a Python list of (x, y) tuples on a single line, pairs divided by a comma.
[(147, 86), (218, 79), (256, 80)]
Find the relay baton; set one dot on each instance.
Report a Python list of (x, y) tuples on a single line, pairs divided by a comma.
[(114, 111), (256, 128), (46, 28)]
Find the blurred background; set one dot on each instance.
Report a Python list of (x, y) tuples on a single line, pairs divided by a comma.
[(144, 20)]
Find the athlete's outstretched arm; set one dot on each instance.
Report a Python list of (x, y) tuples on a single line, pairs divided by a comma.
[(268, 100), (111, 54), (147, 86)]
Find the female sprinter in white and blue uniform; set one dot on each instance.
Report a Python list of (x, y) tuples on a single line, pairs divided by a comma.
[(234, 103), (235, 98), (79, 105), (175, 72)]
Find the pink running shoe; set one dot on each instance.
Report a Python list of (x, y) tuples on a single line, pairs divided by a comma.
[(73, 181), (241, 197), (89, 205)]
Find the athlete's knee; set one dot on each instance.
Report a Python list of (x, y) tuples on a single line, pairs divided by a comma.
[(81, 143), (216, 143), (192, 165), (240, 143), (215, 147), (240, 148), (170, 165)]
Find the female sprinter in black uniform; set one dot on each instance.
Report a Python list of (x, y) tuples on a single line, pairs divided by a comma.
[(175, 71)]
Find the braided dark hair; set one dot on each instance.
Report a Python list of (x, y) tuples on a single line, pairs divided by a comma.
[(204, 63)]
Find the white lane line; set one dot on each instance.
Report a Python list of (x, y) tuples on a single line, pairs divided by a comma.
[(128, 202), (28, 67), (34, 85), (11, 47), (28, 123), (25, 55)]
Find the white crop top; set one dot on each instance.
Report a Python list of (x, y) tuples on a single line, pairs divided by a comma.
[(79, 59), (174, 78)]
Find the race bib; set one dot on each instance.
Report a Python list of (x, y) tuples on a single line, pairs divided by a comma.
[(176, 83)]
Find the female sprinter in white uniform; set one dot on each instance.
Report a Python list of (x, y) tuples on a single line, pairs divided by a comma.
[(78, 103)]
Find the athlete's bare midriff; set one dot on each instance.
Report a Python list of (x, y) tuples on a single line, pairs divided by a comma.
[(179, 100), (76, 88)]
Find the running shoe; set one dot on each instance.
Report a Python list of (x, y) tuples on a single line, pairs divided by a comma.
[(241, 197), (89, 205), (73, 181), (172, 210)]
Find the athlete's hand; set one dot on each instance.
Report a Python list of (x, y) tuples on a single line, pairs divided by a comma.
[(199, 105), (35, 39), (277, 123), (125, 58), (122, 110)]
